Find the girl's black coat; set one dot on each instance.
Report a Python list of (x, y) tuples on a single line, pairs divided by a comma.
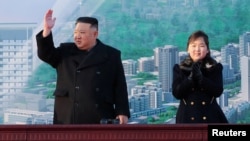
[(198, 101)]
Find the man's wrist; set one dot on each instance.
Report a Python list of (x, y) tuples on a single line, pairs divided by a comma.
[(46, 32)]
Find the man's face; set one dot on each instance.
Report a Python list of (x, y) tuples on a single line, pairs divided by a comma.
[(197, 49), (85, 36)]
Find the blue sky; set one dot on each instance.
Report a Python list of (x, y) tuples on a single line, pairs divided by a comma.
[(24, 10)]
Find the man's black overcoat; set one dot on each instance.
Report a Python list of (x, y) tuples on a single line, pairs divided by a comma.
[(86, 90)]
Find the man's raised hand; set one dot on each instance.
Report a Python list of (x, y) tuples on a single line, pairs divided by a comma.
[(49, 22)]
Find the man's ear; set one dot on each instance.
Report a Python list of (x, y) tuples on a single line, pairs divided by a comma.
[(96, 34)]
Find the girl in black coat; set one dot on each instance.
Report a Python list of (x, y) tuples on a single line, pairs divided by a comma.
[(197, 82)]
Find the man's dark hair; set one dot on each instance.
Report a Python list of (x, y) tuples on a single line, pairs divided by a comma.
[(92, 21)]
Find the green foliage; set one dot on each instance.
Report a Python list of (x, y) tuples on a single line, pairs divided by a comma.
[(151, 120), (145, 75), (246, 119), (43, 75), (233, 87), (170, 113), (136, 36)]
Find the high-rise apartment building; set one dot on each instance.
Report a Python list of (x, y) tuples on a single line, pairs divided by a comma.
[(230, 56), (155, 95), (231, 62), (130, 67), (146, 64), (244, 47), (168, 56), (139, 102), (15, 55), (245, 78), (244, 44)]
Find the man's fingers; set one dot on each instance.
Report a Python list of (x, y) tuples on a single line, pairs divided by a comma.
[(48, 13), (123, 119), (54, 19)]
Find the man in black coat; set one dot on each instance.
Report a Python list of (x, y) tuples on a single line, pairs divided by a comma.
[(91, 84)]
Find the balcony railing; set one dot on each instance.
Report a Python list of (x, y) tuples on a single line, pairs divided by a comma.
[(105, 132)]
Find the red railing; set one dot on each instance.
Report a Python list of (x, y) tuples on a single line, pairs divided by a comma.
[(108, 132)]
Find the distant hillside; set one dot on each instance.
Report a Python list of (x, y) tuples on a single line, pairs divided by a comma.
[(223, 20)]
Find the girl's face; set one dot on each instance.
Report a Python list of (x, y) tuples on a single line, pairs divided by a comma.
[(197, 49)]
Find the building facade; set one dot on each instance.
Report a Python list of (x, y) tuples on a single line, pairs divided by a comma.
[(15, 55)]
